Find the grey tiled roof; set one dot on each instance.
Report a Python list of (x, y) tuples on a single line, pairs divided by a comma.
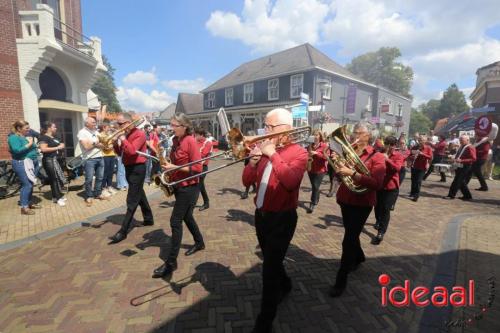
[(189, 103), (168, 112), (297, 59)]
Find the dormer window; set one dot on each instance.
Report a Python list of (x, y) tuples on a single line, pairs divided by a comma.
[(229, 93), (296, 85), (248, 93), (211, 100), (273, 87)]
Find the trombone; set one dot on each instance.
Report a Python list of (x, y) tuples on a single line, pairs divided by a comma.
[(240, 148)]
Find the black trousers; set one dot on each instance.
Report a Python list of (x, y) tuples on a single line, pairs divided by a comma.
[(203, 190), (316, 179), (476, 170), (402, 175), (55, 184), (354, 219), (185, 200), (460, 182), (274, 231), (331, 173), (435, 160), (416, 181), (136, 196), (385, 200)]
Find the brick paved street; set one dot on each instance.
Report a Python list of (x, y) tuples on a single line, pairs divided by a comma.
[(76, 282)]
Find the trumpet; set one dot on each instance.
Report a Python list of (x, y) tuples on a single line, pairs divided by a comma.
[(346, 156)]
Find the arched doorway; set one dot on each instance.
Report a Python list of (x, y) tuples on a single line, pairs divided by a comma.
[(52, 85)]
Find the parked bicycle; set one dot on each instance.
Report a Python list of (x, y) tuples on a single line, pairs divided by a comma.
[(9, 183)]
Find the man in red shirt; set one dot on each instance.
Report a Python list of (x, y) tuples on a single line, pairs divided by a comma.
[(127, 146), (439, 155), (482, 146), (386, 198), (278, 172), (205, 147), (421, 155), (462, 162), (356, 207)]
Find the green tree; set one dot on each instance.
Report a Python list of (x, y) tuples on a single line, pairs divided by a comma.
[(105, 88), (381, 68), (453, 102), (419, 122), (431, 109)]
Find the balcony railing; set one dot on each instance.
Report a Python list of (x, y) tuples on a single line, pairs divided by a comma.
[(68, 36)]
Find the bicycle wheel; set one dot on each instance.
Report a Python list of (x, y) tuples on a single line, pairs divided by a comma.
[(9, 184)]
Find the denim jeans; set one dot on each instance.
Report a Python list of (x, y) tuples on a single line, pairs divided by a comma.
[(26, 185), (94, 166), (109, 170), (121, 180), (149, 167)]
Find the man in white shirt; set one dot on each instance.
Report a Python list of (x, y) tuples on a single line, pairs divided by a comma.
[(94, 162)]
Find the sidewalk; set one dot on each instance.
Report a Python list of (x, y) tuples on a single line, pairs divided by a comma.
[(14, 226)]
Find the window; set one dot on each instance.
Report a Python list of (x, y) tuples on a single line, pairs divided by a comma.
[(400, 109), (325, 86), (391, 107), (273, 89), (296, 85), (248, 93), (211, 100), (229, 96)]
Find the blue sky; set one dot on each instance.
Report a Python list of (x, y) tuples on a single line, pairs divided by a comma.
[(171, 46)]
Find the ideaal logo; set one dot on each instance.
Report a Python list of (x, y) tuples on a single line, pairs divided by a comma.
[(420, 296)]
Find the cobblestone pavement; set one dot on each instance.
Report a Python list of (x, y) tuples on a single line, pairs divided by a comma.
[(76, 282), (14, 226)]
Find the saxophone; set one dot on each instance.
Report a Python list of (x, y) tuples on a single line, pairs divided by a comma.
[(162, 179)]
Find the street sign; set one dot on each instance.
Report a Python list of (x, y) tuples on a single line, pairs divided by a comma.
[(483, 126), (299, 112), (304, 98), (384, 108)]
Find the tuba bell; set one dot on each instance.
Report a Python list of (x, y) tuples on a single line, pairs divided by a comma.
[(346, 156)]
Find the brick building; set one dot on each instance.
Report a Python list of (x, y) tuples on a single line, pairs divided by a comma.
[(47, 66)]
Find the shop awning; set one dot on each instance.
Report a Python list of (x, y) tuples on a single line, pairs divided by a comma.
[(63, 106)]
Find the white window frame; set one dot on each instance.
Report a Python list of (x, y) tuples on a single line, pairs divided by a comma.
[(325, 87), (273, 85), (248, 93), (211, 99), (400, 109), (300, 86), (228, 96), (391, 107)]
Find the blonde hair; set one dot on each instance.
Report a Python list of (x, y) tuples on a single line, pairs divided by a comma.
[(18, 125), (321, 135), (182, 119)]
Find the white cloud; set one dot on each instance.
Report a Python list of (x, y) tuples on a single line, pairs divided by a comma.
[(141, 78), (444, 41), (140, 101), (189, 86)]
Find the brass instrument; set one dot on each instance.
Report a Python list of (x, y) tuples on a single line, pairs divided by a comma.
[(106, 140), (162, 179), (347, 157), (241, 147)]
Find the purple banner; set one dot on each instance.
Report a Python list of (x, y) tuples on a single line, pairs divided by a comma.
[(351, 99)]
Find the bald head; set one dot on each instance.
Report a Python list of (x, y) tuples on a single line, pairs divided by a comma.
[(464, 139)]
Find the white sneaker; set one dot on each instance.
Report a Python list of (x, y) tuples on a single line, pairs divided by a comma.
[(61, 202)]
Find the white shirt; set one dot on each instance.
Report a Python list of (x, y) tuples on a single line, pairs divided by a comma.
[(87, 134)]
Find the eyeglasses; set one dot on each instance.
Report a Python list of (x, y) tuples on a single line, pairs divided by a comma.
[(175, 125), (268, 126), (122, 123)]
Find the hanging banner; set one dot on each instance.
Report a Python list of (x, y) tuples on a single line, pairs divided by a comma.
[(351, 99), (299, 112)]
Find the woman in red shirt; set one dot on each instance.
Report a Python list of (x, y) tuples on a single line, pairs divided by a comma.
[(317, 167), (184, 150)]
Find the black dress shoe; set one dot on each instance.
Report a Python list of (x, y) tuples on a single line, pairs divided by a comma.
[(484, 189), (310, 209), (414, 199), (118, 237), (466, 198), (376, 226), (336, 290), (148, 223), (244, 195), (164, 270), (448, 198), (195, 248), (205, 206), (378, 239), (330, 194), (392, 207)]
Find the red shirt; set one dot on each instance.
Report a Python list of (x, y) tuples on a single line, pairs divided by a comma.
[(183, 151), (393, 165), (135, 141), (154, 139), (482, 150), (319, 160), (440, 148), (282, 193), (205, 147), (374, 182), (423, 158), (468, 156)]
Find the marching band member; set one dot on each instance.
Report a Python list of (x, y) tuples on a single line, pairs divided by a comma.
[(205, 146), (127, 146), (482, 148), (465, 156), (317, 167), (386, 198), (421, 155), (439, 155), (278, 173), (184, 150), (356, 207)]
